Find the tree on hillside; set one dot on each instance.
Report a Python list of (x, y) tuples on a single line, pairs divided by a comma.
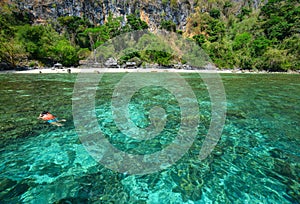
[(215, 30), (12, 52), (65, 53), (114, 26), (221, 53), (275, 60), (168, 25), (136, 23), (30, 37), (226, 8), (5, 27), (200, 39), (244, 12), (241, 41), (259, 46), (72, 26), (215, 13), (97, 35), (280, 18)]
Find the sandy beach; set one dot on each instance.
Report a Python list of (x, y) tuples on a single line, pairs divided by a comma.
[(113, 70), (122, 70)]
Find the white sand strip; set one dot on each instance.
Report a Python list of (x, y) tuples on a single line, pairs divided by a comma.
[(121, 70), (111, 70)]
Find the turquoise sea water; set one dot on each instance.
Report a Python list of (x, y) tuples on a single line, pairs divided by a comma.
[(257, 159)]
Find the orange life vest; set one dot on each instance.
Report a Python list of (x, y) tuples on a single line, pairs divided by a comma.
[(48, 116)]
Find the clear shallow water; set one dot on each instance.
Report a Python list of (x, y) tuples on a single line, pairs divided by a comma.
[(257, 159)]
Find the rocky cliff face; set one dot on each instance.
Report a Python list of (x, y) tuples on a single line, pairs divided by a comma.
[(97, 11)]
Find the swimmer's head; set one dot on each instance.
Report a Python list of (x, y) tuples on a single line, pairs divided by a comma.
[(44, 112)]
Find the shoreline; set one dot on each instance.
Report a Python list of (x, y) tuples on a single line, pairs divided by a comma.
[(137, 70)]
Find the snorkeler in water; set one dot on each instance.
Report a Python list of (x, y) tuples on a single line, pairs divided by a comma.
[(45, 115)]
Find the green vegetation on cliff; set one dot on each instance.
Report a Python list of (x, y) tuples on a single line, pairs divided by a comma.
[(265, 38)]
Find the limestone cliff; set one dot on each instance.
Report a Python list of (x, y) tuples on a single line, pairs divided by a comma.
[(97, 11)]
